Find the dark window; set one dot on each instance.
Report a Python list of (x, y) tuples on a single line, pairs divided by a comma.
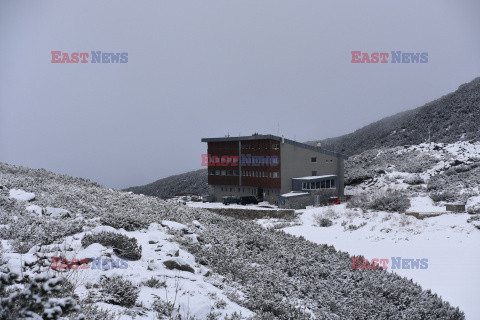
[(314, 159), (314, 173)]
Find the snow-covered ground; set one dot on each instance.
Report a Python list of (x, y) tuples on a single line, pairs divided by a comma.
[(450, 244), (191, 293)]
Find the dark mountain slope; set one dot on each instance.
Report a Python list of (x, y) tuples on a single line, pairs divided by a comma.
[(453, 117), (193, 181)]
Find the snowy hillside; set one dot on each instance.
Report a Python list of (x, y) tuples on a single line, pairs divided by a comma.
[(453, 117), (444, 172), (159, 259), (448, 243)]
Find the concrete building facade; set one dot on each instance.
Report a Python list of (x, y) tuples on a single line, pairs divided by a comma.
[(267, 166)]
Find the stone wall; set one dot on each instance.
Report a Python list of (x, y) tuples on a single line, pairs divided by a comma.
[(251, 214)]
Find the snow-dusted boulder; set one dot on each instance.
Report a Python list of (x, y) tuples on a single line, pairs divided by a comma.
[(57, 212), (179, 264), (21, 195), (198, 224), (175, 226), (35, 210)]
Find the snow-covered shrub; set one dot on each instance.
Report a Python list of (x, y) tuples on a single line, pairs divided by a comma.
[(353, 227), (361, 201), (443, 196), (405, 220), (162, 308), (119, 291), (330, 213), (123, 246), (28, 231), (154, 283), (473, 205), (462, 168), (93, 312), (391, 202), (35, 300), (414, 180), (129, 221), (321, 221)]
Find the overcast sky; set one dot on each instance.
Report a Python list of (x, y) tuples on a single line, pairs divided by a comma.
[(207, 68)]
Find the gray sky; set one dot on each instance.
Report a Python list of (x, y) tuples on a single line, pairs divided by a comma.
[(205, 68)]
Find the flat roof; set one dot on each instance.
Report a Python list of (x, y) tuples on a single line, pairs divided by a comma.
[(315, 177), (277, 138)]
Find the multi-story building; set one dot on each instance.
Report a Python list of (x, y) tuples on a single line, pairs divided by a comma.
[(268, 166)]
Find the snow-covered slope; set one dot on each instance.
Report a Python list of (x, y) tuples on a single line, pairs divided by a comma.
[(191, 262), (449, 172), (448, 242)]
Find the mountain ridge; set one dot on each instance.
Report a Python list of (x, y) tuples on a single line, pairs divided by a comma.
[(453, 117)]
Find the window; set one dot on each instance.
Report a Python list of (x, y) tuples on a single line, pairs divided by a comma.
[(230, 189), (276, 174), (275, 147), (222, 188), (314, 159), (243, 189), (317, 185), (266, 147), (327, 184), (332, 185), (229, 172), (217, 172), (314, 173), (235, 172), (322, 184), (211, 172)]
